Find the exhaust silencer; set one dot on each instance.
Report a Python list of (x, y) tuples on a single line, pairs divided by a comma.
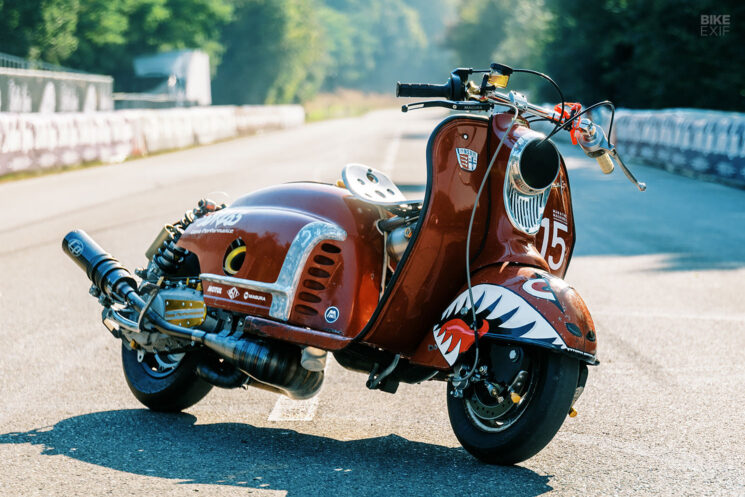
[(276, 364), (101, 267)]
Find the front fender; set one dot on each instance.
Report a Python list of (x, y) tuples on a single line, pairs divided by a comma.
[(514, 304)]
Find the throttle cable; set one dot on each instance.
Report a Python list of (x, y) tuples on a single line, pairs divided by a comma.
[(474, 323)]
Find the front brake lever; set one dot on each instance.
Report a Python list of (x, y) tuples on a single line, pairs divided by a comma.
[(641, 186), (595, 144), (447, 104)]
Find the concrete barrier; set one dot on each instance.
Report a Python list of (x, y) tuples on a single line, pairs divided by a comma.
[(39, 141), (704, 144)]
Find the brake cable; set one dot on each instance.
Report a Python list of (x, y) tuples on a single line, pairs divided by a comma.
[(547, 78), (474, 323), (557, 127), (584, 111)]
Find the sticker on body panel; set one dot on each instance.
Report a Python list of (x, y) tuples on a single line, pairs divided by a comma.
[(76, 247), (540, 288), (498, 310), (331, 314)]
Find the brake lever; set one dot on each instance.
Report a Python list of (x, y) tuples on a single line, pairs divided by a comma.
[(595, 144), (641, 186), (447, 104)]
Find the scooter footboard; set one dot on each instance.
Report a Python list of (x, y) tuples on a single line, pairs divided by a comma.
[(514, 304)]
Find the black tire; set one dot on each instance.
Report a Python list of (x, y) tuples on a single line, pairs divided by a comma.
[(170, 391), (531, 427)]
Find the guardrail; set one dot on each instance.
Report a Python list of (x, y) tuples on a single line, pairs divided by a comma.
[(12, 61), (704, 144), (40, 141)]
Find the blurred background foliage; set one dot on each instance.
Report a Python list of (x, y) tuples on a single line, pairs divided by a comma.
[(638, 53)]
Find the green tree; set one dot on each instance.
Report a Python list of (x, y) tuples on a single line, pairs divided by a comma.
[(637, 53), (506, 31), (372, 44), (103, 36), (274, 53), (111, 34), (39, 30), (649, 54)]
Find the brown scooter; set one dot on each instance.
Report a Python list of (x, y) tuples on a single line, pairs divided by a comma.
[(464, 287)]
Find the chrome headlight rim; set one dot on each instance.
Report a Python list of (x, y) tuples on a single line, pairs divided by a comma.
[(514, 171), (524, 203)]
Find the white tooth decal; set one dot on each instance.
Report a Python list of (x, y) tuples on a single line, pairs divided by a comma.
[(451, 356), (480, 299), (448, 312), (461, 302), (520, 318)]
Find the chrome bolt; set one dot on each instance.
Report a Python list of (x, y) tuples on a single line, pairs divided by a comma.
[(513, 355)]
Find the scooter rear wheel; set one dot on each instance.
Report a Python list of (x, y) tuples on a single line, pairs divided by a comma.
[(165, 383), (506, 433)]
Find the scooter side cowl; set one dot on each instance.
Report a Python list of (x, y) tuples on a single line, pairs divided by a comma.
[(515, 304)]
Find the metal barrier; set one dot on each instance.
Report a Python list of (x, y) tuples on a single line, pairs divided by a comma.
[(699, 143), (39, 141), (7, 60)]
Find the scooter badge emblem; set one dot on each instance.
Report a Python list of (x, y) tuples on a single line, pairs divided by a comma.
[(467, 158)]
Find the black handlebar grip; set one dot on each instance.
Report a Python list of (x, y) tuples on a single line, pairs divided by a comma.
[(423, 90)]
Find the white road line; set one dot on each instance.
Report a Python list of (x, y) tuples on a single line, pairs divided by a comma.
[(286, 409), (389, 160), (670, 315)]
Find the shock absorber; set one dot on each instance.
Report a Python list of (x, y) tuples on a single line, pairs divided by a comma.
[(170, 256), (166, 257)]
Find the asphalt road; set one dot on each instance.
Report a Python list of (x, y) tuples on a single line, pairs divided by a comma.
[(662, 273)]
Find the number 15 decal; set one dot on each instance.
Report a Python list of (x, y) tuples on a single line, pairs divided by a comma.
[(556, 240)]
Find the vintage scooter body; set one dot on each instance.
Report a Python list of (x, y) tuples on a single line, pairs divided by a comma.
[(464, 287), (315, 270)]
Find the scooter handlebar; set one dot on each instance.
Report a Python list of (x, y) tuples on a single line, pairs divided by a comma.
[(605, 163), (417, 90)]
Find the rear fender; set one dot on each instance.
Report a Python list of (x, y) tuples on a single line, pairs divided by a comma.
[(514, 304)]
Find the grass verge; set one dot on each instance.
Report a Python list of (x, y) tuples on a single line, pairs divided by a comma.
[(346, 103)]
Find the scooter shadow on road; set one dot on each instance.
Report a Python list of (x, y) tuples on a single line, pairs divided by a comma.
[(172, 446)]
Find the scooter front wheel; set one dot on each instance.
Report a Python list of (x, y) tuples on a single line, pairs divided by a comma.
[(507, 432)]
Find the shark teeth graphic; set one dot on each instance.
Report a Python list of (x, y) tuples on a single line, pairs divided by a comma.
[(444, 345), (462, 302), (507, 313)]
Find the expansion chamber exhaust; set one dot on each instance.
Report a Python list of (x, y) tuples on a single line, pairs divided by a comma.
[(274, 364)]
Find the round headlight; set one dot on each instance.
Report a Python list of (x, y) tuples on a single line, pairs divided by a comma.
[(533, 164)]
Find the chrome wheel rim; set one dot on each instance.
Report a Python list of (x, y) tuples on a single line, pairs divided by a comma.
[(490, 415), (159, 365)]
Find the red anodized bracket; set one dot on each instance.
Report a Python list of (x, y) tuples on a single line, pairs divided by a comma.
[(574, 107)]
